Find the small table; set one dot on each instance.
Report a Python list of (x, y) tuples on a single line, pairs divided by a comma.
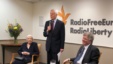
[(7, 45)]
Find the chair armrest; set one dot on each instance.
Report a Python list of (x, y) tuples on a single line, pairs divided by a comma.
[(35, 55), (68, 62), (33, 58), (15, 53), (13, 56)]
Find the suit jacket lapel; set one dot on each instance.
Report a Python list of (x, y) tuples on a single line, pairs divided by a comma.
[(87, 52), (79, 51)]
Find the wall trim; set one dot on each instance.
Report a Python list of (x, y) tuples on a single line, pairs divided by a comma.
[(65, 43), (79, 44)]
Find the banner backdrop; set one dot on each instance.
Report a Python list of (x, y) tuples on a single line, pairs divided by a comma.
[(80, 17), (101, 28)]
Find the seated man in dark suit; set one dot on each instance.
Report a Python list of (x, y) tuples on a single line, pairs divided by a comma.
[(27, 50), (87, 54)]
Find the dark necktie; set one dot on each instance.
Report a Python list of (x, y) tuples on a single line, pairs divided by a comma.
[(79, 55), (52, 25)]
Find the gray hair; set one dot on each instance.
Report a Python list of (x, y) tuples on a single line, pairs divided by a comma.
[(54, 11), (89, 35), (30, 36)]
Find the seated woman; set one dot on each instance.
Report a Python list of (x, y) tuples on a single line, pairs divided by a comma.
[(27, 50)]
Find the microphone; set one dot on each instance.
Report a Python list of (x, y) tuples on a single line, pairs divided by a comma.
[(49, 26), (50, 23)]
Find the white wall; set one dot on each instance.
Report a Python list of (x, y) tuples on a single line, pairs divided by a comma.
[(22, 11), (42, 9), (90, 9), (27, 15), (15, 9)]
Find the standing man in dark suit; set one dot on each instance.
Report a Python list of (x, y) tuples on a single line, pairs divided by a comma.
[(87, 54), (55, 32)]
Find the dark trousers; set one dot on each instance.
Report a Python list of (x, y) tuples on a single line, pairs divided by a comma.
[(52, 56), (25, 61), (19, 62)]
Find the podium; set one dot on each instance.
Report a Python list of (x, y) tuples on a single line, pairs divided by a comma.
[(7, 45)]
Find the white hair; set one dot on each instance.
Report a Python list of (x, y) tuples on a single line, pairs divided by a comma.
[(30, 36), (54, 11)]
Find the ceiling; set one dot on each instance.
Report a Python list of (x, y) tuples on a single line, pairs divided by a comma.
[(33, 1)]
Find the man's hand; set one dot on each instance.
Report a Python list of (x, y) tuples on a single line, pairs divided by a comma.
[(61, 50), (25, 53), (48, 28), (66, 60)]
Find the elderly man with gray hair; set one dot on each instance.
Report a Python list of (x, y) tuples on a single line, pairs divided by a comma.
[(87, 54)]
